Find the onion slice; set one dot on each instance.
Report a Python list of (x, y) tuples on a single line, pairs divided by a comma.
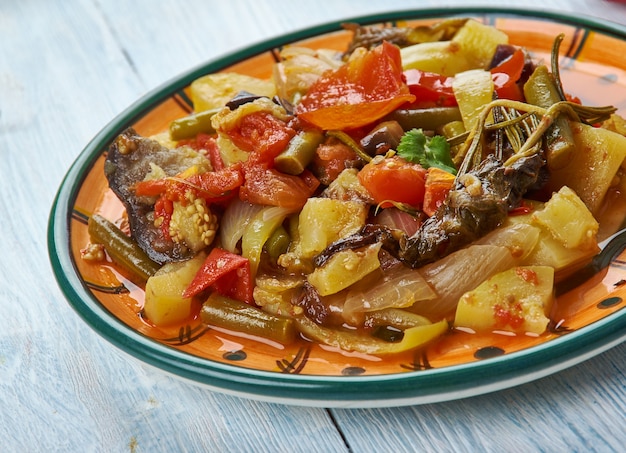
[(258, 231), (236, 217), (458, 273), (467, 268), (398, 287)]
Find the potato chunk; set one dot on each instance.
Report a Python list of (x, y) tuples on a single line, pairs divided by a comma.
[(479, 42), (472, 90), (590, 173), (344, 269), (215, 90), (472, 47), (325, 220), (568, 237), (568, 220), (440, 57), (518, 300), (164, 301)]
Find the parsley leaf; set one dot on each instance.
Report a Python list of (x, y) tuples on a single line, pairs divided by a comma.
[(434, 151)]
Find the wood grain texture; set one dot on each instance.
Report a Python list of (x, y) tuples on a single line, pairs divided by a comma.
[(575, 410), (66, 69)]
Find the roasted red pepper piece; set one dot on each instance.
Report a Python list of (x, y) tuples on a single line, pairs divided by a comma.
[(224, 272), (208, 185), (438, 184), (268, 186), (430, 89), (506, 75)]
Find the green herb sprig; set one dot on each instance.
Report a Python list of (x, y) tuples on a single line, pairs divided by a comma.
[(417, 148)]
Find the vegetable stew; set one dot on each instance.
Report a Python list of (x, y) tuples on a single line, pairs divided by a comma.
[(371, 200)]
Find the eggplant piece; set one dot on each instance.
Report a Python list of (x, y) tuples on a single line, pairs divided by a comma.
[(127, 163), (477, 205), (382, 138)]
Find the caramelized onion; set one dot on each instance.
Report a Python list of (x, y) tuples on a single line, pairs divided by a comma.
[(234, 222), (458, 273), (399, 287)]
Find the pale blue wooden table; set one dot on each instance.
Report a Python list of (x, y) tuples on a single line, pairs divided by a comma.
[(66, 69)]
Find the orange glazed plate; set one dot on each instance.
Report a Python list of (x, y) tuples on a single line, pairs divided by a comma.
[(590, 316)]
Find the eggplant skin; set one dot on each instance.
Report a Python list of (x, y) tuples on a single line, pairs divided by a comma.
[(127, 163)]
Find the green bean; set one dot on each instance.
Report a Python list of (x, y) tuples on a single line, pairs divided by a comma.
[(428, 119), (299, 152), (121, 248), (278, 243), (192, 125), (238, 316), (541, 90)]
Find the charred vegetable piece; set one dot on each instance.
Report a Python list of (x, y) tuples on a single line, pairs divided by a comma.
[(241, 98), (478, 204), (368, 235), (120, 247), (128, 162), (238, 316), (371, 36)]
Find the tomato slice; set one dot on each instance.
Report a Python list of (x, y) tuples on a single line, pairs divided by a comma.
[(209, 143), (366, 88), (438, 184), (261, 134), (268, 186), (331, 159), (214, 184), (394, 179)]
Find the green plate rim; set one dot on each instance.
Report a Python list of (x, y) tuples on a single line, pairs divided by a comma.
[(407, 388)]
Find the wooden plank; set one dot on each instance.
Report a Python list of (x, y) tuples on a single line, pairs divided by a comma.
[(66, 69), (574, 410)]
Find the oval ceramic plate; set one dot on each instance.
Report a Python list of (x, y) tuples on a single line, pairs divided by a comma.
[(591, 317)]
